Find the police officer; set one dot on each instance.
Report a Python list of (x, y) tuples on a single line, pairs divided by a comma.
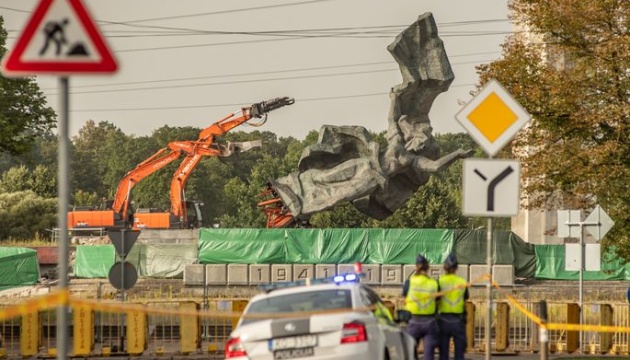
[(452, 318), (420, 300)]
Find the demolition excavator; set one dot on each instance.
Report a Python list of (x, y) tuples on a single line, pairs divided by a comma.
[(117, 213), (277, 213)]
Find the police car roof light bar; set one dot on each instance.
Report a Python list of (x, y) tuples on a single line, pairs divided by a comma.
[(336, 279)]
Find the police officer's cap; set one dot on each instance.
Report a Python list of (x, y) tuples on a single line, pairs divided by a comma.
[(450, 262), (421, 260)]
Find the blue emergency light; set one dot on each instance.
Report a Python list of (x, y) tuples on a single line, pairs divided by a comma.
[(337, 279), (347, 278)]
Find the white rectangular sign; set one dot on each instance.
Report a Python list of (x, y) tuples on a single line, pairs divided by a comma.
[(491, 187), (569, 223), (592, 257)]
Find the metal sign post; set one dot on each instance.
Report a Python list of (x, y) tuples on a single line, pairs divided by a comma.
[(489, 288), (33, 55), (121, 348), (492, 118), (62, 217), (599, 223)]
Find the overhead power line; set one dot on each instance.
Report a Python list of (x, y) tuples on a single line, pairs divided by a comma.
[(326, 98), (221, 12), (179, 31), (260, 41), (234, 82), (268, 72)]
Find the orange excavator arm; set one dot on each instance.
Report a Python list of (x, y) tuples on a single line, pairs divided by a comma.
[(205, 145), (154, 163)]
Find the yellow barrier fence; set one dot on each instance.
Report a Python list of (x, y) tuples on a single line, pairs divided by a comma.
[(160, 327)]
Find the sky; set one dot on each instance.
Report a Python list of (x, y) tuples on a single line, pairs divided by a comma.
[(192, 62)]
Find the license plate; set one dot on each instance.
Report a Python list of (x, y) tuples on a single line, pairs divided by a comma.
[(293, 353), (293, 342)]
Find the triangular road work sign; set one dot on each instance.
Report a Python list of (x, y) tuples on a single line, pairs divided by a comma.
[(59, 38)]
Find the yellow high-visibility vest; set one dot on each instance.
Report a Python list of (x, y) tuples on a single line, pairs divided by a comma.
[(452, 299), (420, 299)]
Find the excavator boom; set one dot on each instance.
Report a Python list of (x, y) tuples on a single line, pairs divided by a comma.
[(258, 110), (118, 214)]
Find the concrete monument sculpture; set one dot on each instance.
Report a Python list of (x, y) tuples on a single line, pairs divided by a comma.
[(346, 165)]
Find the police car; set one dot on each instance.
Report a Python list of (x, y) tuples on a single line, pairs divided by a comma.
[(338, 318)]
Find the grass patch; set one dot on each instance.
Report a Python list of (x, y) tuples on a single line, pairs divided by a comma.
[(28, 242)]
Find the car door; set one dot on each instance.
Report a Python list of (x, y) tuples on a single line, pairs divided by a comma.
[(391, 331)]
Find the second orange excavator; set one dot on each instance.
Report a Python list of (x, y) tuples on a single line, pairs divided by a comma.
[(183, 213)]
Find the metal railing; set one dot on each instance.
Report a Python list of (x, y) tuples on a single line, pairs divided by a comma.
[(213, 320)]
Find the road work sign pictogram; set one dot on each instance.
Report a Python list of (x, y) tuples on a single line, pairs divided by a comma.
[(59, 38)]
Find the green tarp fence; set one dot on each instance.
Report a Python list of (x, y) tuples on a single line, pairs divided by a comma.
[(508, 249), (325, 246), (550, 264), (93, 261), (162, 260), (18, 267), (322, 246), (157, 261), (369, 246)]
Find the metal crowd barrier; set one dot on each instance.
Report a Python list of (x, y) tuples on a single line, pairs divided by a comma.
[(192, 326)]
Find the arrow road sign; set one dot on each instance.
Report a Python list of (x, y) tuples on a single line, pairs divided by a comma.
[(491, 187), (598, 223), (603, 221)]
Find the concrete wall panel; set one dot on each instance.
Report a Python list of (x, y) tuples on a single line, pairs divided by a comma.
[(216, 274), (281, 273), (325, 270), (391, 275), (237, 274), (303, 271), (193, 274), (259, 273)]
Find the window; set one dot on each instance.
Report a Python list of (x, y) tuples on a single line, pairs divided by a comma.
[(371, 299), (329, 299)]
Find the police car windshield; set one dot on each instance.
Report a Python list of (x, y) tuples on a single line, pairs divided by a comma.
[(318, 300)]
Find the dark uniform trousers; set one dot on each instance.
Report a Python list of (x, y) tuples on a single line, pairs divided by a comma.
[(425, 327), (452, 326)]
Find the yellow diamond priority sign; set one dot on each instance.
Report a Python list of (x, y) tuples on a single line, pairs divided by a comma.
[(492, 117)]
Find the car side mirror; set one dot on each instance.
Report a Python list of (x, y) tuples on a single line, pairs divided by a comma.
[(403, 316)]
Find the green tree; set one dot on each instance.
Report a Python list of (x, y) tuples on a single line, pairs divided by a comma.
[(574, 80), (278, 158), (344, 215), (26, 215), (15, 179), (24, 113), (239, 209), (41, 180), (97, 150)]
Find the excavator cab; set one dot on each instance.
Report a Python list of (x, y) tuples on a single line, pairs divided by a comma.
[(154, 218)]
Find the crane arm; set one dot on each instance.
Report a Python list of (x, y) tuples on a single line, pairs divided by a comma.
[(144, 169), (153, 163), (206, 143), (228, 123)]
